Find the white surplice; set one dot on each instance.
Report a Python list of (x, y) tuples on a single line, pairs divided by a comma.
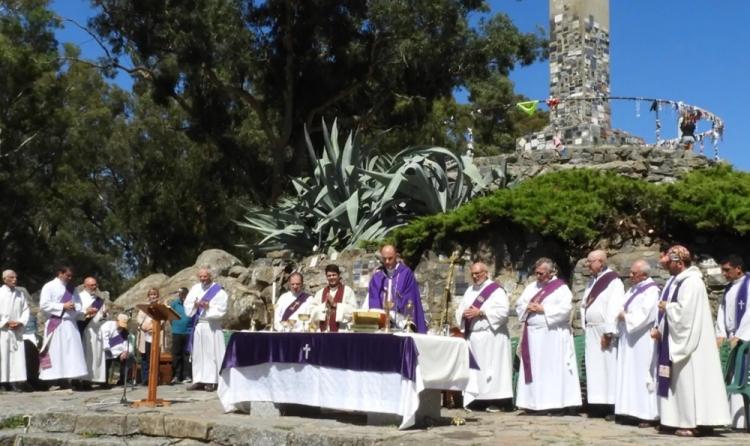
[(601, 318), (13, 307), (208, 337), (65, 347), (109, 331), (635, 393), (490, 344), (282, 304), (552, 353), (728, 327), (344, 309), (697, 396), (93, 344)]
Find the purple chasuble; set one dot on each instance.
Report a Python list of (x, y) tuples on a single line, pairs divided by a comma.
[(294, 306), (484, 294), (601, 284), (640, 289), (664, 366), (538, 298), (210, 293), (404, 288)]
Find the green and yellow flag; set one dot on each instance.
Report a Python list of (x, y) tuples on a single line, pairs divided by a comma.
[(528, 107)]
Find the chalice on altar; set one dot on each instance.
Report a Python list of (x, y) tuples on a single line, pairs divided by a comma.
[(304, 317), (289, 325), (409, 325), (387, 306)]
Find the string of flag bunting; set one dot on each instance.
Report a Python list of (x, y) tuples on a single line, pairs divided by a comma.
[(688, 114)]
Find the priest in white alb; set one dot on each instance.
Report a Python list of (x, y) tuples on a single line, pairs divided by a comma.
[(61, 356), (548, 376), (93, 316), (733, 322), (206, 303), (333, 305), (482, 315), (600, 305), (290, 305), (635, 388), (14, 315), (690, 383)]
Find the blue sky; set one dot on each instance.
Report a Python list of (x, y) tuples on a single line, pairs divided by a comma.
[(693, 51)]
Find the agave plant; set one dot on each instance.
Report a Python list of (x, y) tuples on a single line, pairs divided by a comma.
[(356, 196)]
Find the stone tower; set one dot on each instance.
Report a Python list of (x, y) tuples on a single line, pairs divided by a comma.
[(579, 68), (579, 61)]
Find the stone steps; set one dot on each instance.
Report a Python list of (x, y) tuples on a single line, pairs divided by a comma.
[(158, 428)]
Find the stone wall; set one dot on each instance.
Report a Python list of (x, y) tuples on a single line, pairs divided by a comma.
[(649, 163), (249, 287)]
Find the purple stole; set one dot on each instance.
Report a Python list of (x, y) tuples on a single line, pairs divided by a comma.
[(54, 321), (640, 289), (484, 294), (330, 322), (539, 297), (664, 365), (601, 284), (294, 306), (209, 294), (116, 340), (740, 305), (98, 303)]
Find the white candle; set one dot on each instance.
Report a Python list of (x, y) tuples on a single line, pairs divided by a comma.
[(273, 293)]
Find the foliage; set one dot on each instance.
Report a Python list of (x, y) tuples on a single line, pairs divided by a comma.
[(580, 207), (355, 195), (713, 199), (251, 75)]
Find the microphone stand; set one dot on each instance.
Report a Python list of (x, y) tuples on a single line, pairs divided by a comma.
[(124, 399)]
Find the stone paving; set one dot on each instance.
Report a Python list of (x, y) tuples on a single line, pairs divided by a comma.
[(64, 417)]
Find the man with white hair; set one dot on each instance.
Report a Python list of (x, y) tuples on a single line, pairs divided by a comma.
[(93, 316), (635, 388), (61, 356), (483, 316), (206, 303), (600, 305), (548, 378), (690, 384), (14, 314)]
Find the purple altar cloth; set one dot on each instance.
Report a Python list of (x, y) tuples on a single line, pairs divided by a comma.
[(351, 351)]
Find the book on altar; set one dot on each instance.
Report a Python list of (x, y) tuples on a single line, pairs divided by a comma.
[(368, 318)]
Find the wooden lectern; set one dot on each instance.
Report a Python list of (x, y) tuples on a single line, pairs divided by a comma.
[(158, 312)]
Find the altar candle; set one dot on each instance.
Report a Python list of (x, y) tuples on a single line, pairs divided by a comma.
[(273, 293)]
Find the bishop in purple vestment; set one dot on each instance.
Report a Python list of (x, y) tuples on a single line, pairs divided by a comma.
[(395, 282)]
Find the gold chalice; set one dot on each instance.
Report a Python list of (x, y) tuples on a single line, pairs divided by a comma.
[(304, 317)]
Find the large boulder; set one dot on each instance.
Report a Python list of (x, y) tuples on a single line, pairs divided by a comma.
[(220, 261), (137, 293)]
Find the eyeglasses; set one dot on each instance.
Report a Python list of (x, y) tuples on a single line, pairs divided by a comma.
[(539, 273), (478, 273)]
